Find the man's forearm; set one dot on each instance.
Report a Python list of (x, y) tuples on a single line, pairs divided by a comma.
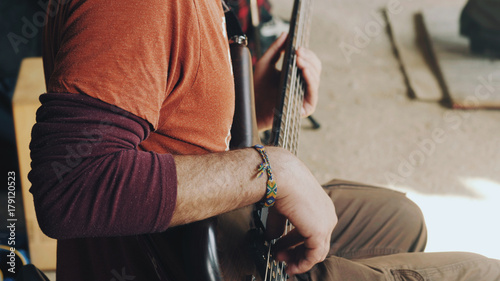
[(216, 183)]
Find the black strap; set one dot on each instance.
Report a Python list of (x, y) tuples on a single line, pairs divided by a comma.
[(233, 26)]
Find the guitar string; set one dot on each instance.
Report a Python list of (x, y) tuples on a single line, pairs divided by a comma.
[(292, 92), (289, 136), (291, 131), (285, 143), (293, 89), (300, 93), (284, 120), (288, 128), (268, 257), (299, 82), (296, 83), (286, 113), (290, 107)]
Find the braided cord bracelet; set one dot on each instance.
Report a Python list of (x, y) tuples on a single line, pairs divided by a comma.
[(265, 167)]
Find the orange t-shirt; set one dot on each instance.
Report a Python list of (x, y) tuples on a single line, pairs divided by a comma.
[(164, 61)]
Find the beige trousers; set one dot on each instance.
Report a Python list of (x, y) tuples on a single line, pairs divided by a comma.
[(381, 235)]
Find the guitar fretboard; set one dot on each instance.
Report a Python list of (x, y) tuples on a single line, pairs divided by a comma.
[(286, 126), (285, 132)]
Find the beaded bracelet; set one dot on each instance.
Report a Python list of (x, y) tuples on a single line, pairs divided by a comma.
[(271, 187)]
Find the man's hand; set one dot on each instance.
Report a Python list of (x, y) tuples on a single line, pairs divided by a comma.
[(216, 183), (303, 201), (267, 78)]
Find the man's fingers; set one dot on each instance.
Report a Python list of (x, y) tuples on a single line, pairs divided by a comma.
[(300, 258), (274, 51), (307, 58), (299, 253), (312, 89), (290, 240), (310, 65), (275, 225), (311, 76)]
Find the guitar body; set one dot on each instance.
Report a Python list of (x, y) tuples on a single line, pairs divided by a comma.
[(237, 261), (215, 249)]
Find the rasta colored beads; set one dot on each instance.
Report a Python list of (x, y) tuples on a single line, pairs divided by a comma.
[(271, 186)]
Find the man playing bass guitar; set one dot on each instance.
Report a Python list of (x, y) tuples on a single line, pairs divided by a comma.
[(132, 138)]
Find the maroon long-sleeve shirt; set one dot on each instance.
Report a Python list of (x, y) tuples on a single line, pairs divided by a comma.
[(94, 181), (95, 185)]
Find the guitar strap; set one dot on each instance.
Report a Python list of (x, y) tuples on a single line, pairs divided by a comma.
[(233, 26)]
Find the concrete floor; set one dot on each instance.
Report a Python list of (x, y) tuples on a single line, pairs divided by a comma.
[(447, 160)]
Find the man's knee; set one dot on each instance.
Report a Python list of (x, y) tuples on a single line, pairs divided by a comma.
[(386, 208)]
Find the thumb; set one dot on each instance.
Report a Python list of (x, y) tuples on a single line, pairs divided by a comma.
[(274, 51), (276, 223)]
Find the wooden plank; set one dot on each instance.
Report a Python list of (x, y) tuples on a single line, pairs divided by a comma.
[(471, 81), (30, 85), (413, 54)]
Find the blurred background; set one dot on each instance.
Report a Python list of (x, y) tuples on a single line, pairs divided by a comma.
[(16, 43), (376, 131)]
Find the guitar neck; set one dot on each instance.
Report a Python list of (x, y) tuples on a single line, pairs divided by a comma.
[(285, 132), (286, 125)]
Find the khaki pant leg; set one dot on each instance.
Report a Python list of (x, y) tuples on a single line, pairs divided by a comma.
[(374, 221), (453, 266), (377, 228)]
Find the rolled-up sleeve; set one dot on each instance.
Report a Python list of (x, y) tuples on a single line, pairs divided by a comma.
[(89, 179)]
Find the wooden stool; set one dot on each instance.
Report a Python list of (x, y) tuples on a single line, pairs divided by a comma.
[(30, 85)]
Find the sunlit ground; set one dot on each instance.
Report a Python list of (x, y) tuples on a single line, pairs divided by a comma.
[(464, 223)]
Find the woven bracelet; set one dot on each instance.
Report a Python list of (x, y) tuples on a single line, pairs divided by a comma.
[(265, 167)]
